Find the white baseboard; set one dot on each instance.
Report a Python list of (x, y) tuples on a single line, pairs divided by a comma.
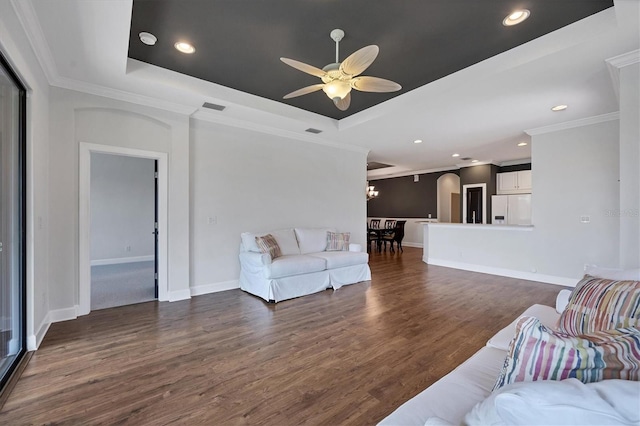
[(531, 276), (118, 260), (214, 288), (32, 342), (174, 296), (65, 314), (416, 245)]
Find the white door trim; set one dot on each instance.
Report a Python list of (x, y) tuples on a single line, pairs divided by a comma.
[(484, 200), (84, 216)]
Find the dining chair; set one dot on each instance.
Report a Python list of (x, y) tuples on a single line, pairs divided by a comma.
[(399, 235), (389, 233), (372, 233)]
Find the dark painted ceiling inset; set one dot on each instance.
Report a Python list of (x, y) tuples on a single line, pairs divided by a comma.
[(239, 42)]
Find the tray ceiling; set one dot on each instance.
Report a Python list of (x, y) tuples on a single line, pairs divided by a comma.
[(239, 43)]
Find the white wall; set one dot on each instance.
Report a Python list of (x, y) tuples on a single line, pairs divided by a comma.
[(249, 181), (122, 208), (629, 210), (77, 117), (15, 47), (245, 180), (575, 174)]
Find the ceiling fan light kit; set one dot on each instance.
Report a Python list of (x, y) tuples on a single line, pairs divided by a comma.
[(339, 78)]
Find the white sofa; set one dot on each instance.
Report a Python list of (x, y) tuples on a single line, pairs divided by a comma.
[(449, 400), (305, 266)]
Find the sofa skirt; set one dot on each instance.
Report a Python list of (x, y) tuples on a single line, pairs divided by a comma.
[(278, 289)]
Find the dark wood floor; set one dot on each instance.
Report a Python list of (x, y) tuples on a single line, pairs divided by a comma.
[(345, 357)]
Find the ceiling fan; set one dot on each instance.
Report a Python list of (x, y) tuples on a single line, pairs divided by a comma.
[(340, 77)]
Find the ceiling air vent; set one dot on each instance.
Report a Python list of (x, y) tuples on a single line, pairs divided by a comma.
[(314, 131), (466, 158), (213, 106)]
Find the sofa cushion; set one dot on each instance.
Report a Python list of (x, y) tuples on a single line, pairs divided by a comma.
[(268, 244), (538, 353), (338, 241), (546, 314), (312, 240), (286, 239), (340, 259), (561, 402), (294, 264), (600, 304)]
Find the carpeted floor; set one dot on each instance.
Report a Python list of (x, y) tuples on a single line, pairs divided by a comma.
[(121, 284)]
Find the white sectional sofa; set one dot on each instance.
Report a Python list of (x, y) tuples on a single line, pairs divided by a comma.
[(464, 396), (305, 266), (454, 395)]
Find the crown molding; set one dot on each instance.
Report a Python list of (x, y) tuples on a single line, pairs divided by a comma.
[(625, 59), (616, 63), (413, 172), (573, 124), (219, 118), (122, 95), (31, 26), (515, 162)]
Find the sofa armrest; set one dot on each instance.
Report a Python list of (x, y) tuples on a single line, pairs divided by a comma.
[(254, 259), (562, 300), (355, 247)]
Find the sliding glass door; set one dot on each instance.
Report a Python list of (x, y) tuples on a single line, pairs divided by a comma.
[(12, 223)]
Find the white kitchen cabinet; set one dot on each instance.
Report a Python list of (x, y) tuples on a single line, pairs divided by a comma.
[(514, 182)]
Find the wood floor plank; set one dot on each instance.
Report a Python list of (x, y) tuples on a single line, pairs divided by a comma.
[(346, 357)]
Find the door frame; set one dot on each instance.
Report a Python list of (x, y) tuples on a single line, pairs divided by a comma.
[(84, 216), (484, 201)]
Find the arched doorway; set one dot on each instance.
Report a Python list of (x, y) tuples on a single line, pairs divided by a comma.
[(449, 198)]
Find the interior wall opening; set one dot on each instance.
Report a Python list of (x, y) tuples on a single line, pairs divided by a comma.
[(123, 230)]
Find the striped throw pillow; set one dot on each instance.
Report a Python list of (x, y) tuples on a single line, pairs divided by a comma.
[(538, 353), (600, 304), (268, 244), (338, 241)]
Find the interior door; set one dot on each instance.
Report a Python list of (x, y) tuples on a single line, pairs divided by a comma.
[(155, 229)]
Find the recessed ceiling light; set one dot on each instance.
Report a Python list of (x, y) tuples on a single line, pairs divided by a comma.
[(474, 161), (418, 141), (522, 144), (559, 108), (148, 38), (516, 17), (184, 47), (456, 155)]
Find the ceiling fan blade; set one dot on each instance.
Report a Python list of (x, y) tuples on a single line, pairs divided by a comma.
[(374, 84), (343, 104), (309, 69), (304, 91), (358, 61)]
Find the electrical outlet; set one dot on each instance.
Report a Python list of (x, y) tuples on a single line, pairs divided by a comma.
[(213, 220), (127, 248)]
